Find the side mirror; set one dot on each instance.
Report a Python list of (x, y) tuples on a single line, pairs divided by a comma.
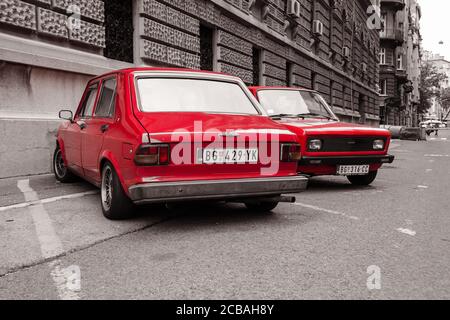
[(66, 115)]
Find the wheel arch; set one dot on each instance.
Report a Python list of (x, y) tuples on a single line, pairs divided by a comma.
[(60, 145), (108, 156)]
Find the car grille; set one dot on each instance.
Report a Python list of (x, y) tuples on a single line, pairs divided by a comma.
[(345, 144)]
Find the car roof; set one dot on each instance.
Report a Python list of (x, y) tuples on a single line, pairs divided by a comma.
[(257, 88), (153, 69)]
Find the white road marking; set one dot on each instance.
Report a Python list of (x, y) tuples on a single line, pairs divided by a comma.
[(407, 231), (337, 213), (49, 241), (437, 155), (422, 187), (48, 200), (429, 170)]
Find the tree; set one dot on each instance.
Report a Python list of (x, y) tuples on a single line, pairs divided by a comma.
[(430, 86), (445, 101)]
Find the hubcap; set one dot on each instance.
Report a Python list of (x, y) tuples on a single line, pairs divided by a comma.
[(107, 188), (60, 167)]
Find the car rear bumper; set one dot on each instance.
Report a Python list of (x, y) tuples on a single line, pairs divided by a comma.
[(216, 189), (352, 160)]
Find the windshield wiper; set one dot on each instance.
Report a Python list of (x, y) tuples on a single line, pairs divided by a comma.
[(315, 115), (283, 115)]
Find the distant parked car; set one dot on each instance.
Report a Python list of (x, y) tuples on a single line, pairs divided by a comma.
[(432, 125), (161, 135), (329, 147)]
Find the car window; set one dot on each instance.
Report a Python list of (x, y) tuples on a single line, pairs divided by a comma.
[(107, 100), (293, 102), (193, 95), (89, 101)]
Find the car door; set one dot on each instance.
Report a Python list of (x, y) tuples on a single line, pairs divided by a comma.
[(97, 127), (74, 132)]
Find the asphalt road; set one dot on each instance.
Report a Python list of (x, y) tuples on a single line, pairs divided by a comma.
[(329, 245)]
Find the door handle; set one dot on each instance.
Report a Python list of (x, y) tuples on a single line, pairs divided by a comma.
[(104, 128), (82, 125)]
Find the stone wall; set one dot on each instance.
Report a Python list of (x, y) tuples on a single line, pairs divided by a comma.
[(52, 18)]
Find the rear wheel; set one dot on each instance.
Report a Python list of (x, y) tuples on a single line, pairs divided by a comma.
[(363, 180), (262, 206), (62, 174), (116, 205)]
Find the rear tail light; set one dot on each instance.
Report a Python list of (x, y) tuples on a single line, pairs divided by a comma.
[(152, 155), (290, 152)]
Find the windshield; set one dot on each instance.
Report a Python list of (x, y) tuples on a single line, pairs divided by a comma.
[(294, 103), (193, 95)]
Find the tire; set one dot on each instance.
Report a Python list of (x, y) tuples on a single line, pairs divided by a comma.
[(263, 206), (116, 205), (363, 180), (62, 173)]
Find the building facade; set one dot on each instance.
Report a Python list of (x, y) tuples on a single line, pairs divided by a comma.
[(50, 48), (442, 65), (400, 60)]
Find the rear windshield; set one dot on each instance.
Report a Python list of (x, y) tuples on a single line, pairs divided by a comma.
[(193, 95)]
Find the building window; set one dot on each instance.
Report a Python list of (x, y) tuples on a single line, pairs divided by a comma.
[(257, 9), (399, 61), (257, 66), (289, 74), (206, 48), (383, 19), (382, 56), (383, 87), (314, 81), (332, 92), (383, 115), (119, 30)]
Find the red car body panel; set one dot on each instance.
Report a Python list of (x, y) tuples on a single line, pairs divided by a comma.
[(116, 139), (322, 128)]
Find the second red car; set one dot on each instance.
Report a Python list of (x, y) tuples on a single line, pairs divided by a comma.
[(329, 147)]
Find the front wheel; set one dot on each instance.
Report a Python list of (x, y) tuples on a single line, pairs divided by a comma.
[(262, 206), (62, 174), (116, 205), (363, 180)]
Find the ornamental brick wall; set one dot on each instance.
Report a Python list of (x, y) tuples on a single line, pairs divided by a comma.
[(48, 18)]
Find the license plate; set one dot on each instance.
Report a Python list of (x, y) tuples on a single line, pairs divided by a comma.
[(229, 156), (353, 170)]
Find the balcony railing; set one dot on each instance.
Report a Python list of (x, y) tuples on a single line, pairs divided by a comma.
[(393, 34)]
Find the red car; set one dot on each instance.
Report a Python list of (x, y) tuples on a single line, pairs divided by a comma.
[(149, 135), (329, 147)]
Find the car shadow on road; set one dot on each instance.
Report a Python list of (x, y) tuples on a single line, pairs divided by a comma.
[(332, 184), (220, 216)]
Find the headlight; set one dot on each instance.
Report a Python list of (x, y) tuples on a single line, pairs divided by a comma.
[(315, 145), (378, 145)]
